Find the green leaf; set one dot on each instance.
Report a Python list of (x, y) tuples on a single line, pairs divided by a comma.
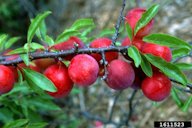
[(129, 31), (49, 40), (187, 104), (146, 66), (35, 25), (3, 38), (82, 23), (44, 105), (84, 39), (25, 108), (34, 116), (6, 115), (20, 76), (168, 69), (36, 46), (155, 104), (118, 43), (25, 58), (39, 80), (33, 46), (176, 97), (20, 87), (41, 31), (167, 40), (184, 66), (75, 91), (11, 41), (17, 51), (135, 55), (17, 123), (87, 31), (37, 125), (179, 52), (146, 18), (106, 32), (66, 34)]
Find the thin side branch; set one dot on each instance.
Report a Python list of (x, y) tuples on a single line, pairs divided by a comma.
[(118, 24), (130, 107), (104, 62), (113, 106), (187, 90), (188, 85)]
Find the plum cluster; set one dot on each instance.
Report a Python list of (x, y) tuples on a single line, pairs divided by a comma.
[(84, 69), (157, 87)]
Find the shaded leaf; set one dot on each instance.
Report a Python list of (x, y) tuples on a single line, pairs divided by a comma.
[(37, 125), (146, 66), (146, 18), (43, 104), (6, 115), (129, 31), (20, 76), (33, 116), (17, 123), (20, 87), (168, 69)]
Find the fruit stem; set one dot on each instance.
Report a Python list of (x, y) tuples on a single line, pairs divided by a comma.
[(104, 62)]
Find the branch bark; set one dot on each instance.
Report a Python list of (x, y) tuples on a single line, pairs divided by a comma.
[(47, 54)]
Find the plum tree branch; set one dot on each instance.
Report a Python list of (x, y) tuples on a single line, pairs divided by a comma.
[(188, 85), (187, 90), (113, 105), (118, 24), (49, 54), (130, 107)]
